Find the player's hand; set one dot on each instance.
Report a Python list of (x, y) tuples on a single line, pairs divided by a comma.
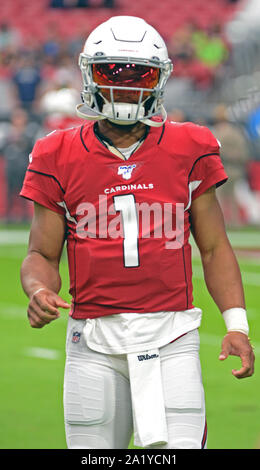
[(237, 344), (43, 307)]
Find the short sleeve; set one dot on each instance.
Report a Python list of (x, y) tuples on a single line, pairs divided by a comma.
[(207, 169), (208, 172), (42, 182)]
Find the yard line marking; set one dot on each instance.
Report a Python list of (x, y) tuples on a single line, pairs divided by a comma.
[(12, 310), (14, 237), (42, 353)]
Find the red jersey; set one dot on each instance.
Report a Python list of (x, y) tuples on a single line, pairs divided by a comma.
[(121, 257)]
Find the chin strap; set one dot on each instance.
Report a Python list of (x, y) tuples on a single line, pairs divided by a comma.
[(91, 117), (151, 123), (94, 116)]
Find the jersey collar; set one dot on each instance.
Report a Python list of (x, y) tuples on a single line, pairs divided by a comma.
[(151, 139)]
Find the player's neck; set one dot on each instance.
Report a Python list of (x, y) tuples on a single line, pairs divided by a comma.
[(122, 136)]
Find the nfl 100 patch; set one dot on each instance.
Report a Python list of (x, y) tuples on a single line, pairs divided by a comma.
[(126, 171), (76, 337)]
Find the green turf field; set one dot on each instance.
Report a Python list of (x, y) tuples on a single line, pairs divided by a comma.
[(32, 361)]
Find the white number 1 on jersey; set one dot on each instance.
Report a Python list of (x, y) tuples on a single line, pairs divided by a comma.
[(126, 204)]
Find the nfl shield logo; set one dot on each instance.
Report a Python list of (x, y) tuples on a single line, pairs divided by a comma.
[(76, 337)]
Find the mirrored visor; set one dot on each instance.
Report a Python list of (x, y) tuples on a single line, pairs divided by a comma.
[(126, 75)]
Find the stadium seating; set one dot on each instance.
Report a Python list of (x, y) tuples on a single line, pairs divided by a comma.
[(34, 18)]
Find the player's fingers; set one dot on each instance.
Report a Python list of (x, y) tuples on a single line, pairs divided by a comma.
[(34, 320), (242, 373), (247, 368), (225, 351), (50, 301), (45, 302), (59, 302), (38, 317)]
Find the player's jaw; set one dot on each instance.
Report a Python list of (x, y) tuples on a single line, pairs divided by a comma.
[(112, 129)]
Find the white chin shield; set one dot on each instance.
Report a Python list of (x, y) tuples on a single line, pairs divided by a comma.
[(123, 113)]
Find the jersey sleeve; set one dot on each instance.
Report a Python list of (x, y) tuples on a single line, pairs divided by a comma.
[(42, 182), (207, 169)]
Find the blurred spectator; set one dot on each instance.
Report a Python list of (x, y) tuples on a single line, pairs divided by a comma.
[(180, 47), (7, 101), (59, 108), (177, 115), (210, 47), (248, 194), (62, 73), (9, 37), (63, 3), (52, 44), (182, 50), (56, 4), (80, 4), (16, 147), (253, 131), (27, 78), (109, 3), (67, 73), (235, 156), (75, 44)]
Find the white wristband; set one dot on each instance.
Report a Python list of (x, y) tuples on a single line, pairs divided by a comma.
[(236, 320)]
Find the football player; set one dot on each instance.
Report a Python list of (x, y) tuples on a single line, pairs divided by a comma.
[(108, 188)]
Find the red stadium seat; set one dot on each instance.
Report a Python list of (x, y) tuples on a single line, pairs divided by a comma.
[(33, 17)]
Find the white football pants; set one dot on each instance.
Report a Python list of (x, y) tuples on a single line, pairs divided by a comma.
[(97, 397)]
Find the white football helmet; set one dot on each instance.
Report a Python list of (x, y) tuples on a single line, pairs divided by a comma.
[(125, 67)]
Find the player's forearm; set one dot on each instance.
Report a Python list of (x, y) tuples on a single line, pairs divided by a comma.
[(223, 277), (37, 271)]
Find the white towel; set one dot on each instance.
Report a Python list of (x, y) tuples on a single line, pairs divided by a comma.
[(149, 418)]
